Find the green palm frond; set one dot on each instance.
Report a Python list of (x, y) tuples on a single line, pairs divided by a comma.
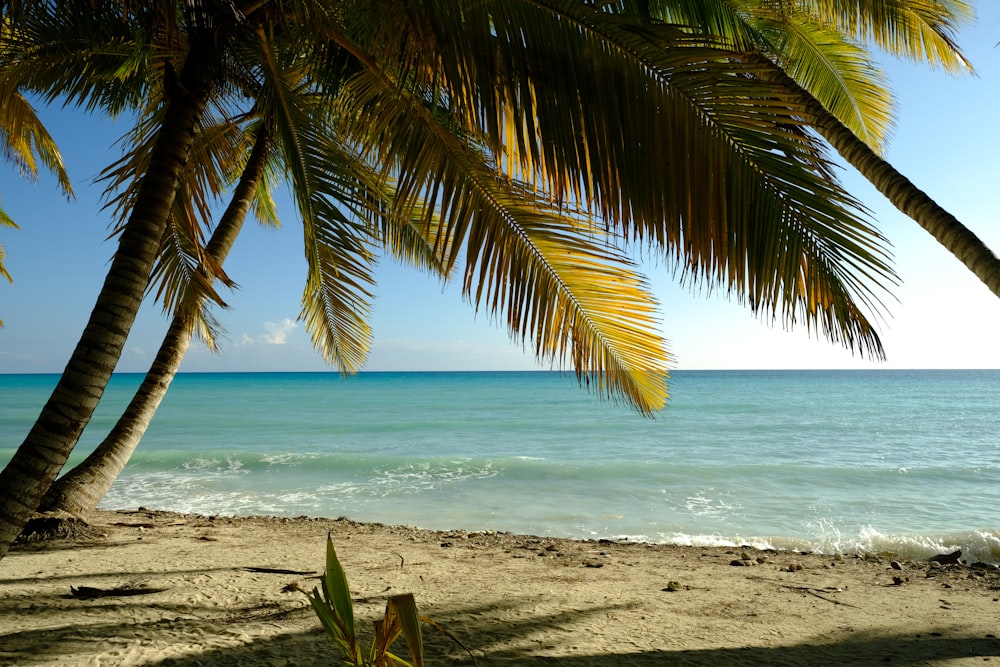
[(842, 78), (184, 275), (183, 266), (412, 233), (337, 204), (775, 200), (340, 237), (818, 42), (339, 243), (263, 205), (3, 270), (337, 297), (186, 271), (837, 72), (86, 54)]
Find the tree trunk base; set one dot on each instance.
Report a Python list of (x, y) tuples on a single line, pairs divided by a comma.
[(52, 526)]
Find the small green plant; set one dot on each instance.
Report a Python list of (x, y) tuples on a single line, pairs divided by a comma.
[(336, 612)]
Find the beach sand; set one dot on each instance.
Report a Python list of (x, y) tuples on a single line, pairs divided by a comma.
[(224, 598)]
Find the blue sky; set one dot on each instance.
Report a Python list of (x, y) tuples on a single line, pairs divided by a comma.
[(946, 141)]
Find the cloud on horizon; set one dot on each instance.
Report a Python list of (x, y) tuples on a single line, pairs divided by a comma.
[(277, 332)]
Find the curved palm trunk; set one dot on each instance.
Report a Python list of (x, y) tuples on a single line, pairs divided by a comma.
[(44, 451), (80, 490), (900, 191), (912, 201)]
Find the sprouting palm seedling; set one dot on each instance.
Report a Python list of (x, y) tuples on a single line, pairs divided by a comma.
[(335, 609)]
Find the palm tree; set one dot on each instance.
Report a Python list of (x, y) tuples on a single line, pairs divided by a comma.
[(814, 53), (524, 147), (814, 47), (958, 239), (44, 451), (80, 490), (186, 285)]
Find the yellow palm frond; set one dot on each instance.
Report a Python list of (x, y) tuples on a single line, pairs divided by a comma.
[(681, 145), (566, 293), (559, 285), (921, 30), (25, 141)]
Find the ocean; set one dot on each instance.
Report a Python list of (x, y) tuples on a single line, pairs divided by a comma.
[(906, 462)]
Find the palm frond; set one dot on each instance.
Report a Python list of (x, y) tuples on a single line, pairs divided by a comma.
[(336, 201), (87, 54), (337, 297), (412, 233), (554, 280), (263, 205), (824, 61), (674, 143), (920, 30), (567, 293), (722, 22), (184, 274), (838, 73), (6, 221), (26, 142)]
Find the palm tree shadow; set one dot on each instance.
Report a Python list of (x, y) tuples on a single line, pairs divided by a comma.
[(506, 632), (311, 649), (494, 643), (529, 639)]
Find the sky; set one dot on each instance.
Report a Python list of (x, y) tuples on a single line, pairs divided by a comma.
[(946, 140)]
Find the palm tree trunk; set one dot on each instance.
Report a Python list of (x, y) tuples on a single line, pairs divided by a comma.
[(900, 191), (41, 456), (80, 490)]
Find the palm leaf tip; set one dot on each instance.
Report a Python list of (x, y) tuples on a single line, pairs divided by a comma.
[(645, 390)]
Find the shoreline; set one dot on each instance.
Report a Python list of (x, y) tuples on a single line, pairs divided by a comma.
[(222, 597)]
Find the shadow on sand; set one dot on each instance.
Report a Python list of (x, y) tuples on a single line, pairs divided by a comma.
[(492, 642)]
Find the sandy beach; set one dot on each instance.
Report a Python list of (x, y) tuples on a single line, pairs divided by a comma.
[(219, 591)]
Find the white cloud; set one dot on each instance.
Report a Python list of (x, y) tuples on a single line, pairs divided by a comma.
[(277, 332), (244, 341)]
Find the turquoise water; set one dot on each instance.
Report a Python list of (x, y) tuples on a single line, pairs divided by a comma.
[(903, 461)]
